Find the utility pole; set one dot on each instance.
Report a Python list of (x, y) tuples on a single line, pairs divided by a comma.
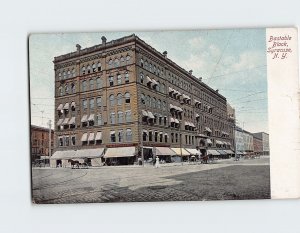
[(234, 141), (49, 150)]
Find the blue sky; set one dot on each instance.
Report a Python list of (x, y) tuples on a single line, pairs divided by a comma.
[(233, 61)]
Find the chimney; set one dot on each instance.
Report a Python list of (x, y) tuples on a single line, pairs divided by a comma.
[(103, 38), (217, 90), (78, 47), (191, 72), (165, 53)]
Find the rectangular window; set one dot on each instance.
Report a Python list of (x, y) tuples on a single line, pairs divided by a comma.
[(160, 137), (99, 102), (166, 138), (172, 137), (112, 136), (120, 136), (112, 118), (73, 140), (128, 116), (111, 81), (67, 142), (128, 135), (60, 141), (150, 136), (92, 103), (84, 104), (99, 119)]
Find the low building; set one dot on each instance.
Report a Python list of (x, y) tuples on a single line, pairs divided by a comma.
[(265, 142), (40, 142)]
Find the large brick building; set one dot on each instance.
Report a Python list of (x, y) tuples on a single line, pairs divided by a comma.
[(40, 142), (265, 142), (120, 96)]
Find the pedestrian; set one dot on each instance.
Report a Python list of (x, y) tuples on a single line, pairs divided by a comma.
[(156, 162)]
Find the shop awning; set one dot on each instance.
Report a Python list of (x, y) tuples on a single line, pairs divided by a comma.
[(219, 142), (145, 132), (208, 141), (120, 152), (207, 129), (229, 151), (184, 96), (59, 122), (212, 152), (73, 104), (91, 117), (98, 136), (65, 122), (197, 115), (144, 113), (148, 79), (172, 106), (84, 118), (72, 121), (180, 151), (164, 151), (154, 83), (150, 115), (60, 107), (91, 136), (176, 121), (89, 153), (171, 89), (84, 137), (193, 151), (172, 120), (64, 154), (66, 107), (179, 109), (222, 152)]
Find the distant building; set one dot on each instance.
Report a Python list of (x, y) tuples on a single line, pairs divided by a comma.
[(40, 142), (265, 141), (257, 145), (243, 140)]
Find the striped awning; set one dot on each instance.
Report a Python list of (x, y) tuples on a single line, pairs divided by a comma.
[(176, 121), (72, 121), (180, 151), (144, 113), (84, 118), (148, 79), (150, 115), (84, 137), (59, 122), (91, 136), (60, 107), (164, 151), (66, 107), (65, 122), (98, 136), (120, 152), (171, 90)]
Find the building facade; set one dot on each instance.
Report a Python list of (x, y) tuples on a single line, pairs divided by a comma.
[(265, 142), (123, 95), (40, 142), (244, 141), (257, 145)]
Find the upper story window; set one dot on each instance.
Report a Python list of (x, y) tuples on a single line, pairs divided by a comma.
[(127, 57), (59, 76), (83, 70), (99, 66), (150, 67), (164, 106), (119, 78), (146, 65), (142, 62), (128, 135), (99, 101), (153, 102), (94, 67), (141, 77), (91, 84), (89, 69), (112, 118), (99, 83), (126, 77), (122, 59), (112, 136), (158, 104), (148, 101), (84, 104), (73, 73), (143, 100), (69, 74), (73, 88), (67, 89), (110, 62), (92, 103), (120, 117), (84, 85), (163, 88), (127, 97), (117, 62), (120, 135), (157, 86), (111, 80), (60, 90), (119, 99), (128, 116), (112, 100), (64, 75)]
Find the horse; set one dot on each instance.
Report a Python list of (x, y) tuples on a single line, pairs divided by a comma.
[(73, 163), (204, 159)]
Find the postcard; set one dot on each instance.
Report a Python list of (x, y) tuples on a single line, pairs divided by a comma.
[(164, 115)]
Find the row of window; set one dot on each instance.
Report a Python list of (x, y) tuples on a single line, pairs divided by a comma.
[(116, 62)]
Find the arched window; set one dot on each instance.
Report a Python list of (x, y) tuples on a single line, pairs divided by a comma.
[(111, 100), (141, 77), (153, 102), (154, 69), (148, 101), (99, 66), (110, 63), (150, 67), (112, 118), (84, 85), (126, 77), (142, 62), (91, 84), (61, 92), (122, 59), (128, 116), (119, 78), (120, 117), (157, 86), (73, 88), (64, 75), (73, 73), (92, 103), (99, 102), (117, 62), (69, 74), (119, 99), (111, 80), (128, 58), (67, 89), (163, 88), (83, 70), (158, 104), (164, 106), (127, 97), (94, 67), (59, 76), (146, 65), (128, 135), (143, 100), (99, 83), (89, 69)]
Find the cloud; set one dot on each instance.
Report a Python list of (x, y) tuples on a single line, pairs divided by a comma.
[(197, 42)]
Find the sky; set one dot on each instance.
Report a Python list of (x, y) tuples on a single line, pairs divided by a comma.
[(231, 60)]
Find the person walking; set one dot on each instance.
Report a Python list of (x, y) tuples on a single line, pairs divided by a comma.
[(156, 162)]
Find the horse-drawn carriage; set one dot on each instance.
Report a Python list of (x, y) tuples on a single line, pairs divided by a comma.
[(76, 164)]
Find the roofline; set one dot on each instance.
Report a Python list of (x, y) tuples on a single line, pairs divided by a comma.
[(41, 128)]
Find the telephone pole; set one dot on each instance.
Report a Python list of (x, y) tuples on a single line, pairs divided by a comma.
[(49, 150)]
